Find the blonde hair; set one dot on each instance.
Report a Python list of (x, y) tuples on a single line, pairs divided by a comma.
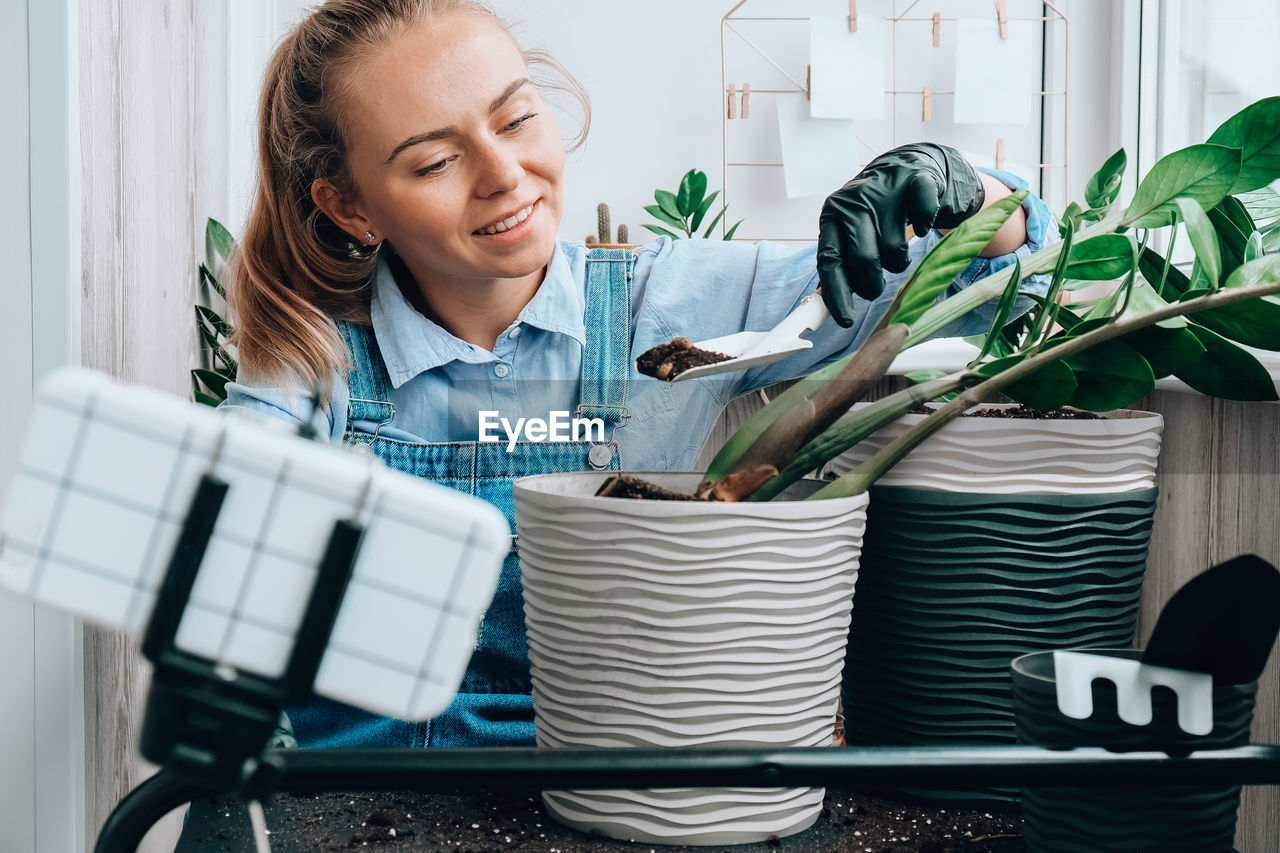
[(295, 272)]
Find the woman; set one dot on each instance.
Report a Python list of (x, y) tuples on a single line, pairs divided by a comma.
[(402, 254)]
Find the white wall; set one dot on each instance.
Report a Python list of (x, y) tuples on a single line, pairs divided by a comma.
[(653, 72)]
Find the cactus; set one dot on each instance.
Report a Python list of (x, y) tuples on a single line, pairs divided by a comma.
[(591, 238), (622, 234), (602, 221)]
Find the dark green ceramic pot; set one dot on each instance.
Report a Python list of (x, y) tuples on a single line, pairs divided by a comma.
[(954, 586)]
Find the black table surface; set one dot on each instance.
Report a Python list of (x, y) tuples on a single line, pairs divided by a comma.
[(515, 821)]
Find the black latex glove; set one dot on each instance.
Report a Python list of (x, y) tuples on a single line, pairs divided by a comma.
[(862, 228)]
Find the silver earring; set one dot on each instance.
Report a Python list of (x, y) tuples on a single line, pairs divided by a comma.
[(369, 238)]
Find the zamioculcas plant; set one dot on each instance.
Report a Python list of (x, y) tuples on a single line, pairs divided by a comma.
[(218, 366), (685, 209), (1098, 354)]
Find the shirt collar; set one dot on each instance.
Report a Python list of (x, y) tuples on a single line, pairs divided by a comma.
[(412, 344)]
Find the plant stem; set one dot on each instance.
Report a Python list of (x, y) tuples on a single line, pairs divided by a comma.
[(860, 479), (853, 427)]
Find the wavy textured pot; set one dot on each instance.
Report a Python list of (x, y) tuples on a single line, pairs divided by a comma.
[(959, 578), (1125, 820), (680, 624)]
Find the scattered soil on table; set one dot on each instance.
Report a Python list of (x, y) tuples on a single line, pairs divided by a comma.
[(516, 822), (634, 488), (667, 361), (1023, 412)]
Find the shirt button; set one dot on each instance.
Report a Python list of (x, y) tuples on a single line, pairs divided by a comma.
[(501, 370), (514, 333)]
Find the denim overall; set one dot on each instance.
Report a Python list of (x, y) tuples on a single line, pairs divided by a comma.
[(493, 706)]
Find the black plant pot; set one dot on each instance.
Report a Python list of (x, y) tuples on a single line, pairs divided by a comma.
[(1120, 820), (953, 586)]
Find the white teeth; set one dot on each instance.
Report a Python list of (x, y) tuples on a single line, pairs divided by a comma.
[(509, 222)]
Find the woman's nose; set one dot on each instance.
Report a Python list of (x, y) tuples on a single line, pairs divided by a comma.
[(499, 169)]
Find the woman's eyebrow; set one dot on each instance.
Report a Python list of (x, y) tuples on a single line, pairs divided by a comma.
[(445, 132)]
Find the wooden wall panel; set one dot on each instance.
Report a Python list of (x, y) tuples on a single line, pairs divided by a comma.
[(153, 163)]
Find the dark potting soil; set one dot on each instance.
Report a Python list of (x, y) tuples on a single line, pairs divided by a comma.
[(635, 488), (667, 361), (1024, 412), (515, 822)]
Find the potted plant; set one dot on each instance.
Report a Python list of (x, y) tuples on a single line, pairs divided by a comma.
[(1101, 357)]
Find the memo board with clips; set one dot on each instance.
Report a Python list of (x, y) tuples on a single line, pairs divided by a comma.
[(765, 68)]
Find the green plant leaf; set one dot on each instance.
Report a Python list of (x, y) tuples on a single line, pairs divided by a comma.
[(219, 325), (714, 222), (729, 234), (702, 211), (925, 374), (667, 201), (1226, 371), (218, 243), (1167, 350), (1261, 271), (206, 399), (214, 381), (1204, 173), (1104, 186), (1204, 239), (658, 229), (1255, 130), (209, 280), (1164, 277), (1071, 216), (693, 186), (1109, 375), (1143, 299), (1103, 258), (1233, 225), (953, 254), (1048, 388), (1255, 323), (1003, 308), (662, 216), (1253, 248)]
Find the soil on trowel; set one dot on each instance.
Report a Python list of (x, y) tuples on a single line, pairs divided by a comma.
[(667, 361), (515, 822), (634, 488)]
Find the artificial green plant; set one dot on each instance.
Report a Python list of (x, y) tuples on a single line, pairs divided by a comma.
[(1097, 353), (685, 209)]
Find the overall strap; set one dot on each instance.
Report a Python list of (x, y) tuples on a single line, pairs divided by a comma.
[(369, 384), (606, 361)]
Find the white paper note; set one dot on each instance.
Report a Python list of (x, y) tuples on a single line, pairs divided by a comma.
[(847, 77), (818, 154), (995, 77)]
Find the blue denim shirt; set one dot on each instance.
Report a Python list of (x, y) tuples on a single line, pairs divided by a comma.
[(697, 289)]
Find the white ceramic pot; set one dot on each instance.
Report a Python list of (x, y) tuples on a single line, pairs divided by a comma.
[(683, 624), (1115, 453)]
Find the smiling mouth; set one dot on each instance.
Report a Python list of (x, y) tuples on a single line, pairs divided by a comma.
[(508, 223)]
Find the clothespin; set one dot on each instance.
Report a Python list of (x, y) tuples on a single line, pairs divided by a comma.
[(746, 100), (926, 113), (937, 29), (733, 101), (1002, 15), (808, 82), (1000, 153), (853, 16)]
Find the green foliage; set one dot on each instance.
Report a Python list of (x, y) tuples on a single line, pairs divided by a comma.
[(1106, 350), (219, 366), (683, 211)]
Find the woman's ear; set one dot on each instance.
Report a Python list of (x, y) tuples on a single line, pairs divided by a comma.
[(341, 211)]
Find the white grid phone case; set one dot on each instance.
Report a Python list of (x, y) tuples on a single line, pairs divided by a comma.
[(102, 488)]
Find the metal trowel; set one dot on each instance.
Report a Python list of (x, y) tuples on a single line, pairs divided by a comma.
[(750, 349)]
